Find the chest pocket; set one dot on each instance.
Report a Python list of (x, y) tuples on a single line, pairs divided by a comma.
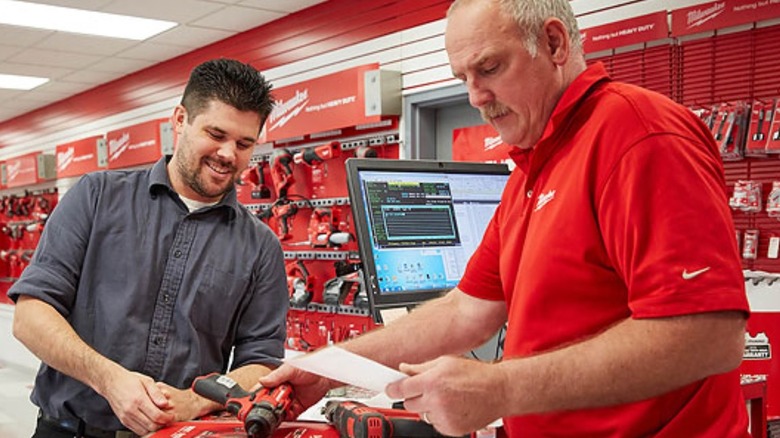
[(217, 300)]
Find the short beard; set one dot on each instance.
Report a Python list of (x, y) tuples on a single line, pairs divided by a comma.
[(192, 178)]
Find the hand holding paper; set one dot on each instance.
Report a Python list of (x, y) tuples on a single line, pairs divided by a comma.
[(339, 364)]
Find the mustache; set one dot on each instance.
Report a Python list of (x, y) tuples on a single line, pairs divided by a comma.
[(492, 110)]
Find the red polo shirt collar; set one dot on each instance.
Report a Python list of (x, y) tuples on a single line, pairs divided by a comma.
[(564, 110)]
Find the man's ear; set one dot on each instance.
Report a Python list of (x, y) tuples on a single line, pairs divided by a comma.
[(179, 118), (557, 40)]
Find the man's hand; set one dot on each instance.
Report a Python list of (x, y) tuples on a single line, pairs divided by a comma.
[(184, 404), (457, 395), (137, 401), (309, 388)]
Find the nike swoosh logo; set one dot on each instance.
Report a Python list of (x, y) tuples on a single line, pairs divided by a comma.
[(688, 275)]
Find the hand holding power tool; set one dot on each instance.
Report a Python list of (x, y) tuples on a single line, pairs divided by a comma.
[(261, 411)]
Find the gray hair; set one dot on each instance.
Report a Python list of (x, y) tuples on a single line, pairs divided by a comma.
[(530, 16)]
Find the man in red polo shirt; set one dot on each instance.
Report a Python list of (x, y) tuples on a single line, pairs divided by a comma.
[(611, 257)]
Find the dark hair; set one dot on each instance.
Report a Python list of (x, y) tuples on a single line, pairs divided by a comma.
[(231, 82)]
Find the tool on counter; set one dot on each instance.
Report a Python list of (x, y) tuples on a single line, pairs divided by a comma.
[(356, 420), (261, 411)]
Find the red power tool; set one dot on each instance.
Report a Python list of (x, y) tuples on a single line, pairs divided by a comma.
[(261, 411), (318, 154), (299, 284), (281, 171), (255, 176), (356, 420)]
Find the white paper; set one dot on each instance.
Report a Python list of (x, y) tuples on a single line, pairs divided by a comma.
[(339, 364)]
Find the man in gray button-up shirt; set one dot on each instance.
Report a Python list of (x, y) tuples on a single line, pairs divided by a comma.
[(146, 279)]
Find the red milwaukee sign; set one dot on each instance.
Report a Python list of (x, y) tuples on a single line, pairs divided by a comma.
[(22, 171), (479, 143), (637, 30), (78, 157), (322, 104), (135, 145), (721, 14)]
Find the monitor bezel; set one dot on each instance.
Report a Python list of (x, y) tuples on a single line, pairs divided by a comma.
[(408, 299)]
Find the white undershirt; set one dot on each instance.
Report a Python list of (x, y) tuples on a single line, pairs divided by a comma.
[(193, 205)]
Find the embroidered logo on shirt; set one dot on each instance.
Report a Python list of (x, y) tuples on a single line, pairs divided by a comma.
[(688, 275), (543, 199)]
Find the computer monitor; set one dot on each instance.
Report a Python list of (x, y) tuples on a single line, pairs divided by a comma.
[(418, 222)]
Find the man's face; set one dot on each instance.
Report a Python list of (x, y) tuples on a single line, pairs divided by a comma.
[(513, 91), (213, 149)]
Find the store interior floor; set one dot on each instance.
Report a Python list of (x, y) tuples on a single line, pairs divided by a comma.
[(17, 413)]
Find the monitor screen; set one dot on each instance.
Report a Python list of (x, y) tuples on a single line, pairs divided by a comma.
[(418, 222)]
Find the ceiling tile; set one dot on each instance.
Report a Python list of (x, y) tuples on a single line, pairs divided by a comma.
[(238, 18), (34, 70), (280, 5), (180, 11), (91, 77), (7, 96), (121, 65), (54, 58), (191, 36), (153, 51), (92, 45), (22, 36), (8, 51), (78, 4)]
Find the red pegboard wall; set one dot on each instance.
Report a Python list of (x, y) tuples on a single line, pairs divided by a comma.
[(764, 171), (710, 70)]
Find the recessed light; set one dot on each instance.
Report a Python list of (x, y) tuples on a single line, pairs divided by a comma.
[(15, 82), (18, 13)]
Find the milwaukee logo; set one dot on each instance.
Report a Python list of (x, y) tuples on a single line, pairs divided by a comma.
[(492, 142), (65, 158), (544, 199), (13, 170), (117, 146), (285, 110), (698, 17)]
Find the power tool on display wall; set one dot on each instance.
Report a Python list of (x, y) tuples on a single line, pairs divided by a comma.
[(323, 230), (299, 284), (317, 154), (281, 171), (347, 282), (255, 175)]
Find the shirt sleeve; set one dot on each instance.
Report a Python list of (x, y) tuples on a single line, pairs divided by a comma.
[(261, 329), (55, 268), (668, 229)]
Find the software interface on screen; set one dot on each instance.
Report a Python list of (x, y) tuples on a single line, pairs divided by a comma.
[(424, 226)]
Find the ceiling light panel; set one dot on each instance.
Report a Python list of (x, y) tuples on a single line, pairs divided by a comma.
[(40, 16), (14, 82)]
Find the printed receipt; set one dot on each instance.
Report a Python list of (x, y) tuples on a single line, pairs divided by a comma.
[(339, 364)]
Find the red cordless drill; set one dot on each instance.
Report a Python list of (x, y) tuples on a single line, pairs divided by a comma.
[(281, 171), (261, 411), (356, 420)]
